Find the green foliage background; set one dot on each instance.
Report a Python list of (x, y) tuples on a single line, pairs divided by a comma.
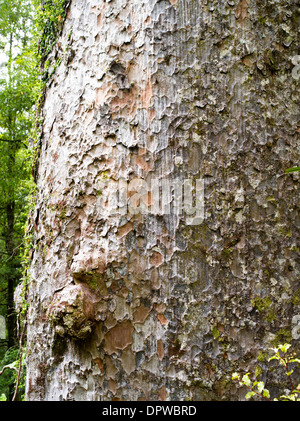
[(18, 91), (28, 32)]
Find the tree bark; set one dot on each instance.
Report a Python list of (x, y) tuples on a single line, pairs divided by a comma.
[(150, 301)]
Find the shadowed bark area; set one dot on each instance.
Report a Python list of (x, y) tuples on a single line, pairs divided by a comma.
[(168, 91)]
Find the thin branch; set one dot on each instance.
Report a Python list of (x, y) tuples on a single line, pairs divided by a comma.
[(286, 362), (10, 255), (6, 367), (257, 393)]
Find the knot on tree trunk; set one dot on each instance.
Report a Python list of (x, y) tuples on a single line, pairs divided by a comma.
[(72, 312)]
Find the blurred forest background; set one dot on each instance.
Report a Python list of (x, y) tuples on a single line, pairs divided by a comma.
[(18, 93)]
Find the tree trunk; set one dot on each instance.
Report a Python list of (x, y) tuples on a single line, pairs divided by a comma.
[(135, 294)]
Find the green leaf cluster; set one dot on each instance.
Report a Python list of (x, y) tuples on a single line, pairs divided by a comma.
[(257, 388), (49, 19), (9, 368)]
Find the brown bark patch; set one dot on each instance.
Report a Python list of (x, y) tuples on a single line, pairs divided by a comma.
[(242, 10), (125, 229), (128, 361), (141, 314), (162, 394), (147, 94), (101, 95), (156, 259), (118, 337), (125, 99), (137, 265), (112, 386), (160, 350), (175, 349), (100, 364), (162, 319), (144, 165)]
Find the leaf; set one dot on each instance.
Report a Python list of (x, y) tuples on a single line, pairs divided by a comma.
[(3, 398), (266, 393), (260, 386), (288, 398), (284, 348), (235, 376), (289, 372), (293, 169), (246, 380), (249, 395), (275, 357)]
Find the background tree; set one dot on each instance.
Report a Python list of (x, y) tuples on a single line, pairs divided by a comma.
[(17, 96)]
